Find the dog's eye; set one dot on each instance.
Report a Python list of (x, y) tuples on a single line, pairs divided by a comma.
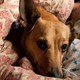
[(42, 44), (64, 47)]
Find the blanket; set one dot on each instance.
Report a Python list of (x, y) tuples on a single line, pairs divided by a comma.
[(13, 68)]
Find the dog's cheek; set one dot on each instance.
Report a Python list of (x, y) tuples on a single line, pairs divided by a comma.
[(43, 66)]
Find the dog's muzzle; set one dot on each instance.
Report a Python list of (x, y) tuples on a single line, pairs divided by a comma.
[(55, 73)]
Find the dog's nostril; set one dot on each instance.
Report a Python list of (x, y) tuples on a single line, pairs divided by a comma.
[(58, 75), (55, 73)]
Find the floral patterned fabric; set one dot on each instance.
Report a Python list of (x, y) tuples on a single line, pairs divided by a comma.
[(72, 60), (9, 56), (61, 8)]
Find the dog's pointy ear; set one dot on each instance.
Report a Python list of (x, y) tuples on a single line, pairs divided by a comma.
[(74, 30), (70, 25), (28, 13)]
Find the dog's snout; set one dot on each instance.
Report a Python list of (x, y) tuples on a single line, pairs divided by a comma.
[(55, 73)]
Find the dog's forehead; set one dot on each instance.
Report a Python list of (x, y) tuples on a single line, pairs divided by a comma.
[(50, 30), (47, 26)]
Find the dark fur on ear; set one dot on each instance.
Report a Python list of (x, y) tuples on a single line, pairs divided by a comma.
[(28, 13), (74, 29)]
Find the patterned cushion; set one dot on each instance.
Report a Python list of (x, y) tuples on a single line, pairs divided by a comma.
[(61, 8)]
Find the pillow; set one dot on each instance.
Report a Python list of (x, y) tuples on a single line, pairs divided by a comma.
[(61, 8)]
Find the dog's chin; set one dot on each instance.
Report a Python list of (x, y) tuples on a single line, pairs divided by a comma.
[(41, 71)]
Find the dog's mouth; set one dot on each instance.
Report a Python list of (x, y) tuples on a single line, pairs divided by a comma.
[(40, 70)]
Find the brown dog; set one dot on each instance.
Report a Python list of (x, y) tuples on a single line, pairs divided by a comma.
[(45, 39)]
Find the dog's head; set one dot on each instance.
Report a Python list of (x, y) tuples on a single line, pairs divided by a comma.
[(45, 38)]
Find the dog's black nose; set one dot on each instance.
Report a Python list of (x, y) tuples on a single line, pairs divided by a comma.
[(55, 73)]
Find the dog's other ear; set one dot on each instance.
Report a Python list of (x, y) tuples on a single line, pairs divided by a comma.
[(74, 30), (70, 25), (28, 13)]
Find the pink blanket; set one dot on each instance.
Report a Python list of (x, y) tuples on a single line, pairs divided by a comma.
[(8, 55)]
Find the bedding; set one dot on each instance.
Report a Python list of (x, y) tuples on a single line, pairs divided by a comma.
[(13, 68), (61, 8)]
